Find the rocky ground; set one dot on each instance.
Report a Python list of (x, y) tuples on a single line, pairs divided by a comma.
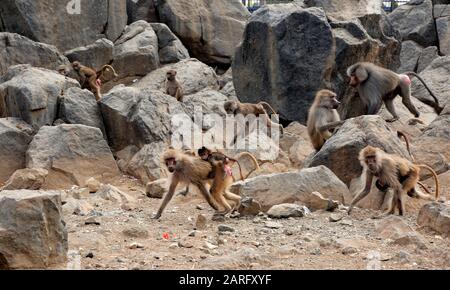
[(130, 239)]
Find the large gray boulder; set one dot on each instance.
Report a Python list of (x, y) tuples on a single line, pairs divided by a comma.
[(292, 187), (286, 73), (134, 116), (32, 94), (65, 24), (79, 106), (15, 135), (436, 75), (72, 154), (146, 164), (426, 57), (32, 231), (437, 134), (415, 21), (340, 152), (142, 10), (409, 56), (210, 29), (435, 216), (312, 52), (94, 55), (342, 10), (443, 32), (136, 51), (170, 47), (17, 49), (192, 74)]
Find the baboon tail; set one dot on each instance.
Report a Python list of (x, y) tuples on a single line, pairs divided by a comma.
[(253, 158), (106, 67), (268, 106), (401, 134), (436, 180), (437, 107)]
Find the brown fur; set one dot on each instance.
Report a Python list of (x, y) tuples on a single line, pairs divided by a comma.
[(173, 87), (323, 118), (186, 169), (388, 168), (88, 78)]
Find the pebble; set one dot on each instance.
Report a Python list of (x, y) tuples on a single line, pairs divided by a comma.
[(90, 255), (91, 221), (225, 228), (136, 246), (200, 223), (349, 250), (335, 217), (272, 225)]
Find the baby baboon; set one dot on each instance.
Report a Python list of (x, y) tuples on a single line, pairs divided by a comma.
[(392, 172), (173, 87), (186, 169), (376, 85), (323, 118)]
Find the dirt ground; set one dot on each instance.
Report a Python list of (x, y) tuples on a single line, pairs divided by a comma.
[(310, 242)]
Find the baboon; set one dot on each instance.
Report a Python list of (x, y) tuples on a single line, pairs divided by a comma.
[(236, 107), (173, 87), (62, 70), (323, 118), (392, 172), (186, 169), (91, 79), (223, 179), (376, 85)]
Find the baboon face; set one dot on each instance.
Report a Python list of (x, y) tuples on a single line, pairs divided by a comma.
[(171, 75), (204, 153), (62, 70), (329, 101), (171, 164), (76, 65), (230, 107), (354, 80)]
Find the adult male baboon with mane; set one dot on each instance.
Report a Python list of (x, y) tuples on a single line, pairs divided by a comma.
[(377, 85)]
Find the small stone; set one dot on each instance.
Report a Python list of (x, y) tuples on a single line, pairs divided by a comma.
[(93, 185), (403, 257), (185, 244), (218, 217), (335, 217), (225, 228), (349, 250), (200, 223), (288, 232), (135, 232), (256, 220), (249, 207), (156, 189), (346, 223), (221, 241), (91, 221), (136, 246), (285, 210), (173, 246), (192, 233), (315, 251), (90, 255), (210, 246), (272, 225), (199, 207)]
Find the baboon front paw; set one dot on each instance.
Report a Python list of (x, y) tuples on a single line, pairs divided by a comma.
[(156, 217)]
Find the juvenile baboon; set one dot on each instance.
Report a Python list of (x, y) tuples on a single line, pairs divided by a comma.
[(223, 179), (186, 169), (88, 78), (236, 107), (323, 118), (392, 172), (91, 79), (376, 85), (173, 87)]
